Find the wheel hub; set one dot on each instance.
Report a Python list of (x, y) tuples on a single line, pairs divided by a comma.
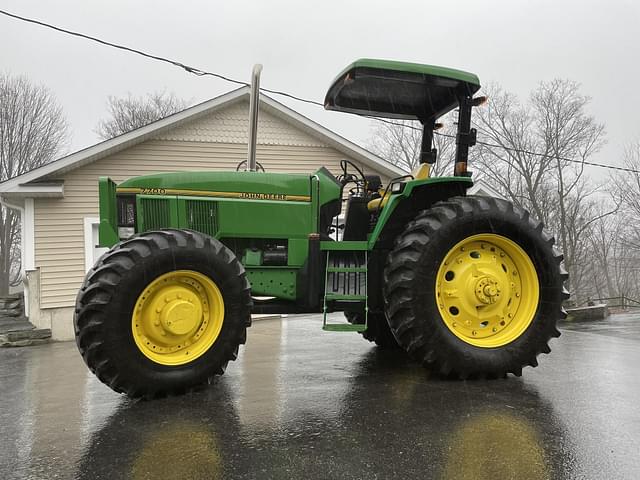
[(179, 316), (487, 290)]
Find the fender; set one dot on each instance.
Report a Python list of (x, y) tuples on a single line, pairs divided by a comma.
[(417, 195)]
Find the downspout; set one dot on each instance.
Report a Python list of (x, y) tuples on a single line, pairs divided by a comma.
[(23, 273)]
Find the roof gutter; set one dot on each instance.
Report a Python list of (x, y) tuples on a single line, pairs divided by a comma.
[(33, 190), (5, 202)]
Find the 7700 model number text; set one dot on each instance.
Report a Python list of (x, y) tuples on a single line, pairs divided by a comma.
[(153, 191)]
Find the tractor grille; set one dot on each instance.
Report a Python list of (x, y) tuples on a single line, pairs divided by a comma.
[(343, 282), (155, 213), (202, 216)]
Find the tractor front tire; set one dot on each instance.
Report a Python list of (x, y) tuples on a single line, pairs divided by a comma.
[(473, 288), (377, 331), (162, 313)]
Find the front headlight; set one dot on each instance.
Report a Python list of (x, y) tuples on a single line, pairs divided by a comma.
[(126, 216), (126, 232), (397, 187), (126, 210)]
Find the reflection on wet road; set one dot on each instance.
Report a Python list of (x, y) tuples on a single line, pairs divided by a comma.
[(301, 403)]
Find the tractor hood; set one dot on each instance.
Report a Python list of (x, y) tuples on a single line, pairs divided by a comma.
[(241, 184)]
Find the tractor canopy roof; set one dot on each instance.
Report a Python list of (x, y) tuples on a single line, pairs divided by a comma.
[(385, 88)]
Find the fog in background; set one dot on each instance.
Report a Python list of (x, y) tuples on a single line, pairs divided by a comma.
[(303, 45)]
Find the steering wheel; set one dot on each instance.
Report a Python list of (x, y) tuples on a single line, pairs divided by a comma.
[(243, 163)]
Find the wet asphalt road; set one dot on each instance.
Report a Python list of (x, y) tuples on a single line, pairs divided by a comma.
[(302, 403)]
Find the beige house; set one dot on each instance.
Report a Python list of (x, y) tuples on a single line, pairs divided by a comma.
[(58, 202)]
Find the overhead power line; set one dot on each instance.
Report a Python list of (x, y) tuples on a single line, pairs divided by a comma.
[(188, 68), (515, 150), (202, 73), (565, 159), (195, 71)]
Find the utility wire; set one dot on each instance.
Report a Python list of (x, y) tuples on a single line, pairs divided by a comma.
[(511, 149), (300, 99), (195, 71), (544, 155), (188, 68), (202, 73)]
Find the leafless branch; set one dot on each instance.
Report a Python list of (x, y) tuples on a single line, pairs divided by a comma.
[(33, 132), (129, 113)]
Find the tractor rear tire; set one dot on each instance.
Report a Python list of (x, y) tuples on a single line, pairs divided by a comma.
[(473, 288), (162, 313), (377, 331)]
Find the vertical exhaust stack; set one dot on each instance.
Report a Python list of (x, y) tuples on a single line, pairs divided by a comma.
[(254, 106)]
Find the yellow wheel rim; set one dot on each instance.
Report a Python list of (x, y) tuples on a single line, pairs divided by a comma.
[(487, 290), (177, 317)]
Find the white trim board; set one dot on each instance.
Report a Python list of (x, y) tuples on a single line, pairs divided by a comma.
[(28, 236), (90, 242)]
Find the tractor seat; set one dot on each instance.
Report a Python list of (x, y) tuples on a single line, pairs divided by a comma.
[(419, 173)]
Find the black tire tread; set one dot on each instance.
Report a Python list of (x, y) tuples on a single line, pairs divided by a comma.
[(400, 277), (99, 290)]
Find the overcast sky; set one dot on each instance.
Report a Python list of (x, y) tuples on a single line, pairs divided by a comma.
[(304, 44)]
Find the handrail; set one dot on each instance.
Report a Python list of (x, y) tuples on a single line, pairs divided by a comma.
[(624, 301)]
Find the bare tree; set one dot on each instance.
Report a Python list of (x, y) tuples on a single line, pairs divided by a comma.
[(626, 188), (33, 132), (538, 162), (129, 113), (512, 166), (568, 132), (399, 142), (616, 255), (627, 184)]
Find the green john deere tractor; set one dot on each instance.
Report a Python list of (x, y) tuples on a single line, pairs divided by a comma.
[(469, 286)]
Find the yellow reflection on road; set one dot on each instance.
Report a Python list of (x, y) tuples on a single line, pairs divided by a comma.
[(183, 449), (495, 445)]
